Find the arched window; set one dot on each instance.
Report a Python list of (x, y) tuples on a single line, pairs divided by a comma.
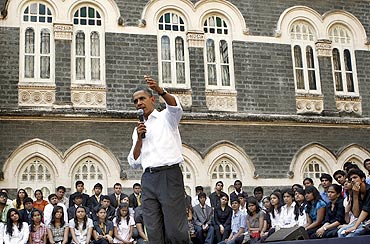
[(218, 54), (343, 61), (36, 174), (88, 46), (224, 171), (90, 172), (173, 51), (188, 177), (313, 169), (306, 72), (37, 44)]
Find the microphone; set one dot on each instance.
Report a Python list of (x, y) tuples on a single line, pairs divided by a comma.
[(140, 113)]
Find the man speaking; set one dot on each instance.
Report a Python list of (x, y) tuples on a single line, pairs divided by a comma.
[(157, 148)]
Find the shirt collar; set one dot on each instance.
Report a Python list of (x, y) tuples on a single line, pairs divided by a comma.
[(154, 114)]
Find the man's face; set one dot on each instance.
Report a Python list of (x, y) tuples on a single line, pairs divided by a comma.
[(325, 183), (97, 191), (258, 195), (356, 179), (307, 183), (202, 200), (54, 200), (340, 179), (60, 193), (28, 205), (78, 201), (80, 188), (142, 100), (219, 186), (117, 189), (137, 189), (105, 203), (237, 186), (367, 166), (235, 205), (3, 199)]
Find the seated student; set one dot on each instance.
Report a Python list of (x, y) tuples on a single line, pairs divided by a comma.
[(258, 194), (105, 203), (142, 237), (18, 201), (77, 199), (267, 220), (135, 197), (4, 206), (81, 227), (340, 177), (301, 204), (26, 213), (38, 231), (288, 214), (255, 218), (315, 210), (347, 203), (243, 203), (360, 204), (58, 229), (367, 167), (326, 181), (48, 210), (222, 219), (80, 187), (103, 228), (195, 199), (238, 224), (117, 196), (123, 225), (215, 196), (203, 216), (307, 182), (334, 215), (275, 211), (95, 199), (16, 231), (238, 189), (39, 203)]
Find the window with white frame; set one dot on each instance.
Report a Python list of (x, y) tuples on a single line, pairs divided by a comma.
[(36, 174), (37, 44), (88, 46), (89, 171), (343, 61), (218, 54), (224, 170), (305, 63), (313, 169), (173, 51)]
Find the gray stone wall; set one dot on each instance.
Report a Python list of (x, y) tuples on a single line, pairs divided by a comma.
[(128, 58), (63, 71), (363, 77), (9, 67)]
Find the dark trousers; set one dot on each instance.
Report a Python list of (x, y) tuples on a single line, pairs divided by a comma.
[(219, 236), (163, 205), (205, 237)]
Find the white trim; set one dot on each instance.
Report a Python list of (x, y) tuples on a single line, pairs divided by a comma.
[(353, 151)]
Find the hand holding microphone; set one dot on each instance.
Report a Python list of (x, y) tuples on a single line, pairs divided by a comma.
[(140, 114)]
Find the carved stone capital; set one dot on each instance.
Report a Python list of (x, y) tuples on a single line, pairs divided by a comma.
[(349, 105), (63, 31), (309, 104), (323, 48), (221, 100), (88, 97), (195, 38), (36, 95)]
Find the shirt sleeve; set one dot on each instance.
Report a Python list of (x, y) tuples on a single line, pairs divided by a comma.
[(174, 113), (131, 221), (25, 232), (243, 221), (134, 163), (366, 203)]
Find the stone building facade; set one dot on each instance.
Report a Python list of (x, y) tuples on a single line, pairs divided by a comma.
[(272, 91)]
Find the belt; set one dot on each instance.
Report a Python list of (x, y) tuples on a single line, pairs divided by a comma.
[(160, 168)]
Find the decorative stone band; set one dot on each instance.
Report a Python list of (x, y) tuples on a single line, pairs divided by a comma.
[(221, 100), (309, 104), (88, 97), (36, 95), (349, 104), (195, 38), (323, 48), (63, 31)]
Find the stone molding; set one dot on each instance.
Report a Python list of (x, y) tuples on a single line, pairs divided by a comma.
[(36, 95), (195, 38), (323, 48), (63, 31), (309, 104), (349, 104), (221, 100), (88, 97)]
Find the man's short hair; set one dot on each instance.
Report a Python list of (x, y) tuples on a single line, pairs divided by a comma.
[(77, 195), (117, 184), (79, 182), (365, 161), (199, 188), (234, 199), (3, 194), (61, 188), (326, 176), (339, 172), (219, 182), (135, 185), (27, 199), (105, 197), (258, 189), (358, 172), (144, 89), (238, 181)]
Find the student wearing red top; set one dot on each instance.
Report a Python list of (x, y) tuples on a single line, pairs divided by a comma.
[(39, 203)]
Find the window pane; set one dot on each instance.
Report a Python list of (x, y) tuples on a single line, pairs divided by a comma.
[(45, 42), (212, 79), (349, 73), (298, 57), (45, 67), (179, 49), (95, 44), (225, 75), (180, 72), (80, 68), (30, 41), (80, 43), (211, 58), (312, 79), (309, 57), (311, 68), (224, 52), (337, 70), (166, 72), (299, 77), (166, 52), (95, 68), (347, 60), (29, 66)]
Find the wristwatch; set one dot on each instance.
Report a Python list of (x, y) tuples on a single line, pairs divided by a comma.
[(163, 93)]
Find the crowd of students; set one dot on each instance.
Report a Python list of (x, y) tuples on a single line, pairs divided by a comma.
[(340, 210), (79, 219)]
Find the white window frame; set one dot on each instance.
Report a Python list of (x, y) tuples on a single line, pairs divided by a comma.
[(217, 38), (303, 44), (87, 30), (37, 28), (342, 44), (172, 35)]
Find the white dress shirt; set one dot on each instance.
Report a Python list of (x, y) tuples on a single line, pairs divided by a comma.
[(48, 211), (19, 236), (287, 216), (162, 143)]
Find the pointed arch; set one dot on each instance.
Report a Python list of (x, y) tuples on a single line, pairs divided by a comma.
[(312, 153), (244, 167), (191, 167), (352, 152), (290, 15)]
